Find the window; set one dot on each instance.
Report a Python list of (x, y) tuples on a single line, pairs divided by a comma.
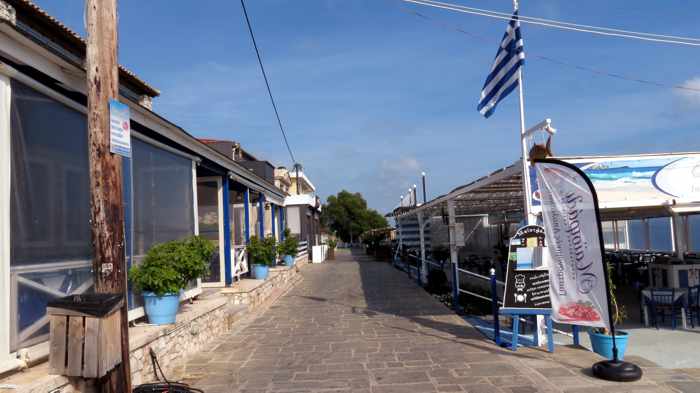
[(660, 233), (50, 250), (163, 208), (637, 234), (608, 234), (694, 232)]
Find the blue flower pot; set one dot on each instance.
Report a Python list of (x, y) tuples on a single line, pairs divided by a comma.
[(161, 310), (289, 260), (260, 272), (602, 344)]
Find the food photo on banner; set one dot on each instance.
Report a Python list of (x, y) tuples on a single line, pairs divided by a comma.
[(577, 273)]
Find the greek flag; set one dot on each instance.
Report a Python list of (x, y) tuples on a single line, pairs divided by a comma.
[(504, 75)]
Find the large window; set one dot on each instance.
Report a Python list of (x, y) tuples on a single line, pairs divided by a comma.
[(163, 208), (209, 225), (50, 246), (50, 251)]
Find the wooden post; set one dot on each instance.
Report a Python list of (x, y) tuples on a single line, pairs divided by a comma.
[(106, 201)]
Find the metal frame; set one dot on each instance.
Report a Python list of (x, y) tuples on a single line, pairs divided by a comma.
[(6, 361)]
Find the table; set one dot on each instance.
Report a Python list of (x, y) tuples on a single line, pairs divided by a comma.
[(679, 292)]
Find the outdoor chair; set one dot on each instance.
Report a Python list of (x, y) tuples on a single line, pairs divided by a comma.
[(694, 305), (663, 304)]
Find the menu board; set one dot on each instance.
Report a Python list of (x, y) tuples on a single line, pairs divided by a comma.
[(527, 288)]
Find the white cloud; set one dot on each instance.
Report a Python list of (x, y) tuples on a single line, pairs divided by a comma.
[(690, 96)]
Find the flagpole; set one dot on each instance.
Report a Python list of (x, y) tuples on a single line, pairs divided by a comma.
[(529, 219)]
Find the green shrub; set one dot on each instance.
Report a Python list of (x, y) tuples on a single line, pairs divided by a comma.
[(262, 251), (332, 243), (168, 267), (289, 245)]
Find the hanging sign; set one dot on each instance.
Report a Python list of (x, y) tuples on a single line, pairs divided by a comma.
[(119, 129), (577, 277)]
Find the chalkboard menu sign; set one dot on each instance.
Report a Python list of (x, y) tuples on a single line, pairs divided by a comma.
[(527, 288)]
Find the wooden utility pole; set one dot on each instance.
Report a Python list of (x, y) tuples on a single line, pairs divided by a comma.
[(106, 201)]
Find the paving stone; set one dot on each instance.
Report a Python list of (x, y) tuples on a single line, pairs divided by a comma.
[(354, 325)]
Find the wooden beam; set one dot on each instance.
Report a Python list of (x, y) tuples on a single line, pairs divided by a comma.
[(106, 200)]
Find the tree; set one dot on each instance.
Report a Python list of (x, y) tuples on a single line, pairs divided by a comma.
[(348, 216)]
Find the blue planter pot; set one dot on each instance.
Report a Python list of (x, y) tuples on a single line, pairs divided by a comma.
[(260, 272), (602, 344), (289, 260), (161, 310)]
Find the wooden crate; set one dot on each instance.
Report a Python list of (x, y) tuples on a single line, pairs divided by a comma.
[(83, 345)]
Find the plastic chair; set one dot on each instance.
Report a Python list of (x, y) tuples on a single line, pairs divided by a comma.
[(661, 304)]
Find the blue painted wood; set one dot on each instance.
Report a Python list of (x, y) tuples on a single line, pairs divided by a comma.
[(455, 289), (227, 231), (574, 332), (515, 313), (550, 335), (273, 215), (261, 215), (282, 224), (246, 209)]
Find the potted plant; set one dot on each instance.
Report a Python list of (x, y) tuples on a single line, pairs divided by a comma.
[(601, 338), (261, 254), (332, 243), (165, 272), (288, 248)]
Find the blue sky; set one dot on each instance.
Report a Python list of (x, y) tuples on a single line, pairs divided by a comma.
[(371, 94)]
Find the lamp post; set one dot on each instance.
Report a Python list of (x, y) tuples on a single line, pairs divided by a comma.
[(425, 199), (415, 196)]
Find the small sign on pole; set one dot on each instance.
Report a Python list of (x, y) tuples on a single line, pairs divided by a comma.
[(119, 129)]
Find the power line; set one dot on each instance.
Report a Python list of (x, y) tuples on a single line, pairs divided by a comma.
[(521, 17), (563, 25), (560, 62), (267, 83)]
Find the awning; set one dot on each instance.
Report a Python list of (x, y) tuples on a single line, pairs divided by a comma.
[(638, 186)]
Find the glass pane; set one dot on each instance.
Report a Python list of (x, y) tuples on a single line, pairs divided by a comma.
[(33, 290), (163, 207), (622, 239), (608, 234), (660, 233), (50, 250), (208, 212), (50, 186), (637, 234), (694, 232)]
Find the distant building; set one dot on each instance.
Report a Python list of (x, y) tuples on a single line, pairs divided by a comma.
[(303, 206)]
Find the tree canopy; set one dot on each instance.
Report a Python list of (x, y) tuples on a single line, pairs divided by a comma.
[(348, 216)]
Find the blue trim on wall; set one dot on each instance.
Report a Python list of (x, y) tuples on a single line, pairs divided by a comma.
[(246, 209), (282, 226), (273, 212), (261, 215), (227, 231)]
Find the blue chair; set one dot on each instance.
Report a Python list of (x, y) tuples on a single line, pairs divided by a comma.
[(662, 304)]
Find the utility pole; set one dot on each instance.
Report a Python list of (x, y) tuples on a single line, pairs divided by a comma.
[(106, 201)]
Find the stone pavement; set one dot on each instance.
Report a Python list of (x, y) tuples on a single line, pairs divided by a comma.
[(355, 325)]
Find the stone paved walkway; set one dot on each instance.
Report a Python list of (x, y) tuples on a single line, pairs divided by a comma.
[(354, 325)]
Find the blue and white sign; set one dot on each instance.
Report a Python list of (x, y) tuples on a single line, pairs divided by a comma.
[(119, 129), (637, 180)]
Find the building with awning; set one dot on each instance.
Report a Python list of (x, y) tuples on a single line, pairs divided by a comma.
[(649, 203)]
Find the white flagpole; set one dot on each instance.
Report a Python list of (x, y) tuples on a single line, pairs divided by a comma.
[(529, 218)]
